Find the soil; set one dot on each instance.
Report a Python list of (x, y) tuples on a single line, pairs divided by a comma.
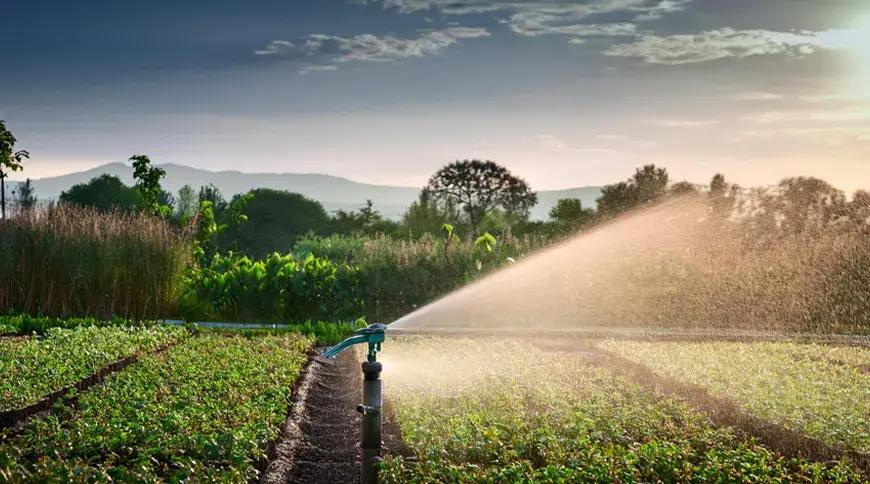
[(14, 338), (319, 442)]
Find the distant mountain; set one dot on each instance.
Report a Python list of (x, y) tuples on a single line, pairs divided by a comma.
[(333, 192)]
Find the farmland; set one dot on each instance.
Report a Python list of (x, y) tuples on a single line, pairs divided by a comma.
[(29, 370), (505, 412), (806, 388), (207, 408), (209, 405), (92, 388)]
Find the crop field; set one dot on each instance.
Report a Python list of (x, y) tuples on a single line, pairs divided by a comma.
[(803, 387), (31, 369), (504, 411), (207, 408), (209, 405)]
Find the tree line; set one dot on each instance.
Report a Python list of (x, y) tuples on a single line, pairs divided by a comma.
[(473, 196)]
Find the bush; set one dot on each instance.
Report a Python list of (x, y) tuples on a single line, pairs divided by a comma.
[(276, 289), (397, 276), (68, 261)]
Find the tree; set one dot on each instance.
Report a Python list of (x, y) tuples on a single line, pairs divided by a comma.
[(722, 204), (682, 188), (616, 199), (365, 221), (859, 208), (211, 193), (718, 185), (647, 185), (10, 160), (25, 195), (105, 193), (808, 204), (148, 182), (428, 215), (276, 219), (478, 187), (167, 200), (570, 215), (238, 217), (187, 203), (651, 183)]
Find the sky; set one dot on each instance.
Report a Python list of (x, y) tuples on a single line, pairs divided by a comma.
[(564, 93)]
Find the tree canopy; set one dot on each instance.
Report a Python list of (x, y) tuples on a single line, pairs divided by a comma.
[(649, 183), (186, 204), (148, 177), (10, 160), (25, 195), (105, 193), (570, 215), (275, 220), (477, 187)]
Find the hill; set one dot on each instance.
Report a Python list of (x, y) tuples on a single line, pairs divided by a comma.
[(333, 192)]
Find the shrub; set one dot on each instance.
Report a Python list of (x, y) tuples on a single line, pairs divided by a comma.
[(397, 276), (276, 289)]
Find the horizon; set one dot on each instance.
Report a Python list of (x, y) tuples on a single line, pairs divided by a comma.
[(564, 93)]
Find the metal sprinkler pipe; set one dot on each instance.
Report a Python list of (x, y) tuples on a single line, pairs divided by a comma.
[(372, 418)]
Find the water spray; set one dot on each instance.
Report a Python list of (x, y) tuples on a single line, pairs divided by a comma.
[(372, 418)]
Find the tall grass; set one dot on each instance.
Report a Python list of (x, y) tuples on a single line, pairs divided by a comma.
[(68, 261)]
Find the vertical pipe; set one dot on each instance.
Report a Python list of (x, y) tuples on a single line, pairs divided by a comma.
[(371, 421)]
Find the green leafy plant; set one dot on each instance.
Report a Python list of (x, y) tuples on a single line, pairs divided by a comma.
[(148, 182), (278, 288), (238, 217), (10, 160), (795, 385), (485, 243), (31, 369), (203, 410), (519, 414)]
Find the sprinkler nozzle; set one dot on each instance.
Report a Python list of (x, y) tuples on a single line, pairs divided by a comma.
[(374, 335)]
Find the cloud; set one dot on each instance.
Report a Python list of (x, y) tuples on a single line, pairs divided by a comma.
[(716, 44), (328, 67), (530, 27), (682, 123), (818, 116), (276, 47), (757, 96), (623, 139), (547, 17), (663, 8), (369, 48), (552, 142)]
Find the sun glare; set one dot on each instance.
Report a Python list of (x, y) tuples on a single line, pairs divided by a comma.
[(855, 41)]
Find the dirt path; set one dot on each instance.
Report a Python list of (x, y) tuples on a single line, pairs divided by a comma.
[(320, 440)]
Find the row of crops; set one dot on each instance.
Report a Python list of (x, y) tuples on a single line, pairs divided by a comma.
[(507, 412), (31, 369), (206, 407), (821, 392)]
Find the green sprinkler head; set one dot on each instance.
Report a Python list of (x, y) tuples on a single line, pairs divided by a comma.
[(373, 334)]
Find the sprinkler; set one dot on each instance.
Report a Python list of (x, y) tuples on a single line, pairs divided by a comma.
[(370, 409)]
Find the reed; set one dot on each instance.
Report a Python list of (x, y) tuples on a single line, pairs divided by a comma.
[(66, 261)]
